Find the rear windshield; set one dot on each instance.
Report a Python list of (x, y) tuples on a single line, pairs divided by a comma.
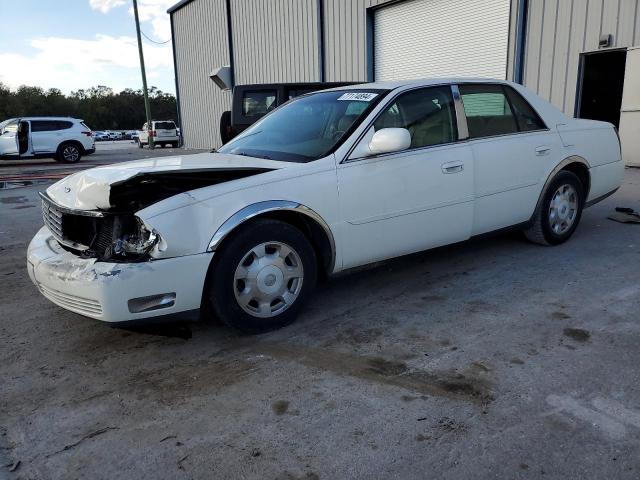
[(165, 125)]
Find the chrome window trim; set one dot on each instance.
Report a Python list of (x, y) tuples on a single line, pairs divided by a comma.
[(253, 210), (461, 116), (506, 96)]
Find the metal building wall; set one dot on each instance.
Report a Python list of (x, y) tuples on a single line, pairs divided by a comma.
[(559, 30), (345, 31), (200, 37), (275, 40)]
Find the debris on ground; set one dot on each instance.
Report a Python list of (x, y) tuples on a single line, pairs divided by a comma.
[(625, 215), (577, 334)]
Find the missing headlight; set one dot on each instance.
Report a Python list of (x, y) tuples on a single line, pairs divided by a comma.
[(136, 244)]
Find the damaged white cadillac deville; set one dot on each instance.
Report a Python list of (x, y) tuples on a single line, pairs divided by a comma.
[(329, 181)]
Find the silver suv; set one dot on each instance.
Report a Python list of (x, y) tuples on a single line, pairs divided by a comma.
[(63, 138)]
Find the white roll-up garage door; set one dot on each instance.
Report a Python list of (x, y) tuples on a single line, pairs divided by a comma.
[(436, 38)]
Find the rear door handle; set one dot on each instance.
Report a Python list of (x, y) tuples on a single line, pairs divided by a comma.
[(452, 167), (542, 150)]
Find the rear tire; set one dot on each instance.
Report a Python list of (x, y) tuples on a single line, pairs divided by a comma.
[(225, 126), (140, 144), (559, 212), (262, 276), (69, 152)]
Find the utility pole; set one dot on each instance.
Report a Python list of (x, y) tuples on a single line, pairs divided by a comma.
[(147, 108)]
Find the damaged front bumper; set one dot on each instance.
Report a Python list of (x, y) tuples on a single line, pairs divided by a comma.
[(115, 292)]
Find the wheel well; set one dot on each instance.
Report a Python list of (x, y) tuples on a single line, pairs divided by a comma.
[(582, 172), (314, 232), (71, 142)]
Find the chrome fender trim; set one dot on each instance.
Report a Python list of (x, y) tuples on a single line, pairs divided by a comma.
[(560, 166), (251, 211)]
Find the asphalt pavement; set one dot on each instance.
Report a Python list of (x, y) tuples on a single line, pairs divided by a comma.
[(492, 358)]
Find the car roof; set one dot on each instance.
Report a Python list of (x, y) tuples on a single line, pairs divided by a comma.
[(49, 118), (418, 82)]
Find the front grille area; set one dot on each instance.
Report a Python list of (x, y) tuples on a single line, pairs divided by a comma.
[(83, 306), (79, 232), (52, 219)]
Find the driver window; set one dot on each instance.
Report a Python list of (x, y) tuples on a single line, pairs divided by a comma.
[(428, 114)]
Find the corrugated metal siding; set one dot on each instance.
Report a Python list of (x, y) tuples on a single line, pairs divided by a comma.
[(559, 30), (275, 41), (200, 36), (345, 29)]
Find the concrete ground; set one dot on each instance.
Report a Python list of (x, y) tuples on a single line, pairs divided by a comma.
[(488, 359)]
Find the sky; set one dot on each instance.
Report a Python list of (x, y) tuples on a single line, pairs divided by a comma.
[(73, 44)]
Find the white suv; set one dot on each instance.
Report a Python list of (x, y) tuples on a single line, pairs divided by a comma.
[(164, 132), (63, 138)]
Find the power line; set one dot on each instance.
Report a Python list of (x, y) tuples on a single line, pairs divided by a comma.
[(153, 41)]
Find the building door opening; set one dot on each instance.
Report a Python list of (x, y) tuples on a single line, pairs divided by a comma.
[(600, 85)]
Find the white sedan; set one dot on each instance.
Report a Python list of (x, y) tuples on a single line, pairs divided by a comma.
[(329, 181)]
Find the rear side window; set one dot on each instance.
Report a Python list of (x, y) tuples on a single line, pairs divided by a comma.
[(488, 111), (258, 102), (427, 113), (165, 126), (526, 116), (49, 125)]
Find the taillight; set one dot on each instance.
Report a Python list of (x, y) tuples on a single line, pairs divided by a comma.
[(88, 134), (152, 133)]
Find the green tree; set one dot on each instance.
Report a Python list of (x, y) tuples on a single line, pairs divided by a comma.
[(98, 106)]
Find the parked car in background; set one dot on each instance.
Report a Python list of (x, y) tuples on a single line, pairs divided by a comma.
[(163, 132), (101, 136), (115, 135), (63, 138), (251, 102), (331, 180)]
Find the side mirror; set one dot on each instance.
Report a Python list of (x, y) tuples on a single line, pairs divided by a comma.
[(389, 140)]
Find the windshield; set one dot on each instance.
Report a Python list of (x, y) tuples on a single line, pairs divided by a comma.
[(306, 128)]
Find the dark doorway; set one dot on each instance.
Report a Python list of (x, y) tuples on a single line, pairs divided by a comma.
[(23, 137), (600, 82)]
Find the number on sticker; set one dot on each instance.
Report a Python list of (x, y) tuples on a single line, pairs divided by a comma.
[(358, 96)]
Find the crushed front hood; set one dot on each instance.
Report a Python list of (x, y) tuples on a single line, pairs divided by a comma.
[(133, 185)]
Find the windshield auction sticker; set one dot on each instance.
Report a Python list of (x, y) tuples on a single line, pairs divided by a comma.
[(358, 96)]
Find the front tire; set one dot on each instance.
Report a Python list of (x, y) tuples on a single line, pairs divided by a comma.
[(140, 144), (262, 276), (559, 212), (69, 153)]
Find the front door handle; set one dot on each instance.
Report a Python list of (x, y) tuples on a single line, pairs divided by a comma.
[(452, 167), (542, 150)]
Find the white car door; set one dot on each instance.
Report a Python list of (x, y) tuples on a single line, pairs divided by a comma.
[(512, 149), (403, 202), (9, 139), (45, 135)]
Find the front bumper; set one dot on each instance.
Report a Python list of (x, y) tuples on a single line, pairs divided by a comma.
[(103, 290)]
